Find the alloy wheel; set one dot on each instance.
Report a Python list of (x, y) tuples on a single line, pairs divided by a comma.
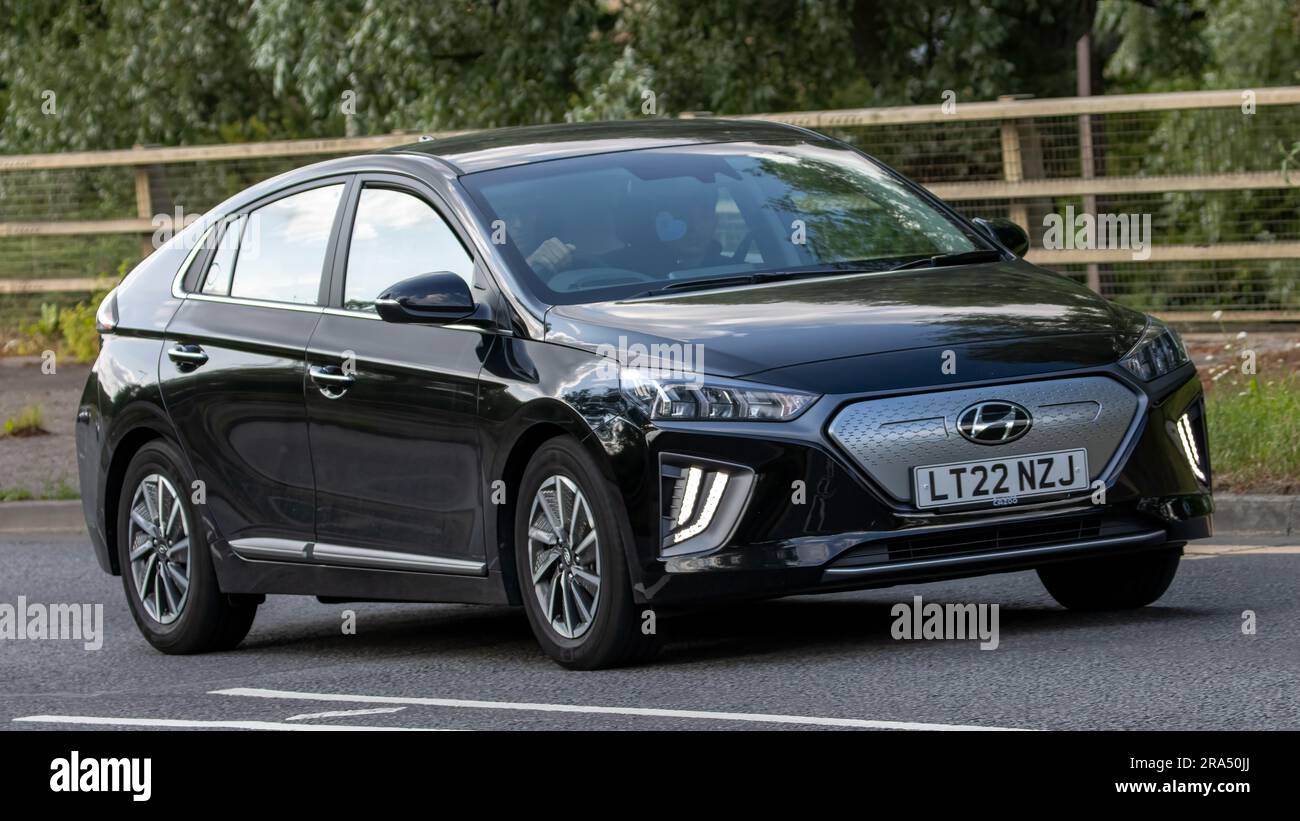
[(564, 554), (159, 536)]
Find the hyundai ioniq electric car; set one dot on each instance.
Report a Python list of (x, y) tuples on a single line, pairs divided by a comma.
[(603, 370)]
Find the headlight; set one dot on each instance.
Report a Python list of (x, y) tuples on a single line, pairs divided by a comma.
[(1159, 351), (710, 399)]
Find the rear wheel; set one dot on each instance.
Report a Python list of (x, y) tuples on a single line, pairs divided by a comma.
[(1112, 583), (167, 572), (570, 556)]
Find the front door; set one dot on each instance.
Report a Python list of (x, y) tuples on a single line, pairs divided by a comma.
[(392, 408)]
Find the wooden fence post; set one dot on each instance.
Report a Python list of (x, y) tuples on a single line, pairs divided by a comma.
[(1013, 165), (143, 202)]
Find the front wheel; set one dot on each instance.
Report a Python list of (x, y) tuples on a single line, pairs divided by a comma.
[(570, 556), (167, 572), (1112, 583)]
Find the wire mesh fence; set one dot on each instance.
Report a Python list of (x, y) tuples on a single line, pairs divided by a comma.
[(1123, 144), (1205, 168)]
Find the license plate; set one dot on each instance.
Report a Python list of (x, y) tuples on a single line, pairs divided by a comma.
[(1000, 481)]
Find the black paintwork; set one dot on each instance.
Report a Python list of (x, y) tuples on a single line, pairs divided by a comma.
[(396, 455), (407, 457), (769, 327)]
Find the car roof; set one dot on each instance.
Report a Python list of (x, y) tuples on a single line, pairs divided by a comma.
[(502, 147)]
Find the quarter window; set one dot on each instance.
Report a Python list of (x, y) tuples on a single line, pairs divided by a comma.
[(282, 248), (217, 280), (397, 236)]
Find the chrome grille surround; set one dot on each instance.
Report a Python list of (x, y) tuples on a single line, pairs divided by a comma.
[(889, 436)]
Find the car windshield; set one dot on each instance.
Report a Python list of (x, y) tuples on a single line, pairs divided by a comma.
[(617, 225)]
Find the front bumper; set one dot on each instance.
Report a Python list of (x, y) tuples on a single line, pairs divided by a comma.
[(815, 521)]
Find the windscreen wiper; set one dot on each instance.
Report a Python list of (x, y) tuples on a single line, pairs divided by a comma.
[(747, 279), (945, 260)]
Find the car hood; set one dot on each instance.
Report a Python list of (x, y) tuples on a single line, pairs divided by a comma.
[(848, 322)]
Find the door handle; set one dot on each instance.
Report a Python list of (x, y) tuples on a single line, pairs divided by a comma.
[(331, 380), (187, 355)]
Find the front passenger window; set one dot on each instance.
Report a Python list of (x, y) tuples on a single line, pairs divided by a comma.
[(396, 236)]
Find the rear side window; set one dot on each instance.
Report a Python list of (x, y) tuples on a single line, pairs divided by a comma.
[(396, 236), (282, 248)]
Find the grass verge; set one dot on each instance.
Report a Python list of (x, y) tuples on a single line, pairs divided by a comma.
[(1255, 435), (60, 490)]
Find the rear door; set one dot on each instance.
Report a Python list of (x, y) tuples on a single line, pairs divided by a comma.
[(233, 363), (392, 408)]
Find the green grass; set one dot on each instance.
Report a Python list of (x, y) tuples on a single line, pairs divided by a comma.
[(60, 490), (29, 422), (1255, 436)]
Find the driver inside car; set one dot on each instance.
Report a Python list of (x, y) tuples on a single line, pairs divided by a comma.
[(663, 231), (552, 256), (525, 226), (671, 230)]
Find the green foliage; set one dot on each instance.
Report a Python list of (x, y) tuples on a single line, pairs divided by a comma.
[(1183, 44), (62, 489), (68, 330), (47, 324), (41, 334), (77, 325), (15, 494), (721, 56), (176, 72), (30, 421), (1290, 159), (432, 66), (80, 339), (147, 71)]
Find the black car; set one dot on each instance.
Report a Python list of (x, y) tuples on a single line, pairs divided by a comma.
[(604, 370)]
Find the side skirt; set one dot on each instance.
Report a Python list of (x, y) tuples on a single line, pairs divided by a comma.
[(286, 566)]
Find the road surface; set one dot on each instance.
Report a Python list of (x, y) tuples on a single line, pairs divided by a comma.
[(805, 662)]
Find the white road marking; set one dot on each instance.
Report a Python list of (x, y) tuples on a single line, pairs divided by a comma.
[(761, 718), (336, 713), (1210, 550), (241, 724)]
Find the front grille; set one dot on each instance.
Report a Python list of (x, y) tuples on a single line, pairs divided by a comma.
[(972, 541), (888, 437)]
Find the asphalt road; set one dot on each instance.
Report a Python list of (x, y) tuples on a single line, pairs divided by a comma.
[(802, 662)]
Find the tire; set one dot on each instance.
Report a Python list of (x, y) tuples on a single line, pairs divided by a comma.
[(612, 635), (1112, 583), (178, 619)]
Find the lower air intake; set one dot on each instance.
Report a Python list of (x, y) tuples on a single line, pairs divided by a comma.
[(972, 541)]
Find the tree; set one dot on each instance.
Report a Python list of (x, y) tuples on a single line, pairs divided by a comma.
[(190, 71), (86, 75)]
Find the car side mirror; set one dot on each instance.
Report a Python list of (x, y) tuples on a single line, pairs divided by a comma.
[(1006, 233), (437, 298)]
